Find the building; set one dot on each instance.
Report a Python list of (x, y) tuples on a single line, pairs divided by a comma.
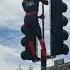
[(65, 66)]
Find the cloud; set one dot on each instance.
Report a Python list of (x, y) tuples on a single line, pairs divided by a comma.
[(11, 14), (10, 7), (9, 58), (10, 37)]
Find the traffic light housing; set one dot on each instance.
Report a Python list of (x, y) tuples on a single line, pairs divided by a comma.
[(26, 54), (57, 33)]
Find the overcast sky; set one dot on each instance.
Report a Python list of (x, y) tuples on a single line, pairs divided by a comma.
[(11, 20)]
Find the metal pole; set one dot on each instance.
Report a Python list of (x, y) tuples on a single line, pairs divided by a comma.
[(43, 61), (43, 21)]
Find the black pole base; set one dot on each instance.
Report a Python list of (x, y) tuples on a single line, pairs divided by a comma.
[(43, 62)]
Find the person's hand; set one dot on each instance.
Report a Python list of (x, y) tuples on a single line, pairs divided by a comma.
[(42, 16)]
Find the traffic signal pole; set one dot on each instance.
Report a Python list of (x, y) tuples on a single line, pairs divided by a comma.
[(43, 20), (43, 61)]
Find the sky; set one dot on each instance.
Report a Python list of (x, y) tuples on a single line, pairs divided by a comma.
[(11, 20)]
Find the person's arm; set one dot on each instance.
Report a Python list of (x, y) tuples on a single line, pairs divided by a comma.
[(26, 8), (44, 2)]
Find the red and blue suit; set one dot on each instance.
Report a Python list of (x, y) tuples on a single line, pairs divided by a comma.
[(31, 27)]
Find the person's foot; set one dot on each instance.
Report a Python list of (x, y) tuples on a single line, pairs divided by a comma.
[(36, 59), (48, 57)]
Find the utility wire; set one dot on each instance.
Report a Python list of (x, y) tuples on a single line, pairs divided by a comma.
[(11, 38)]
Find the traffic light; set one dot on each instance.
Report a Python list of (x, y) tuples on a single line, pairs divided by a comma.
[(24, 41), (26, 54), (24, 29), (57, 33)]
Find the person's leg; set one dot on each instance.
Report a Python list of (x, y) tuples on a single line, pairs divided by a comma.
[(29, 32), (44, 50), (39, 35), (27, 29), (33, 50), (31, 47)]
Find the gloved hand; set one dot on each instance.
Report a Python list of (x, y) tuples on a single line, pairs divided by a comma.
[(41, 16)]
